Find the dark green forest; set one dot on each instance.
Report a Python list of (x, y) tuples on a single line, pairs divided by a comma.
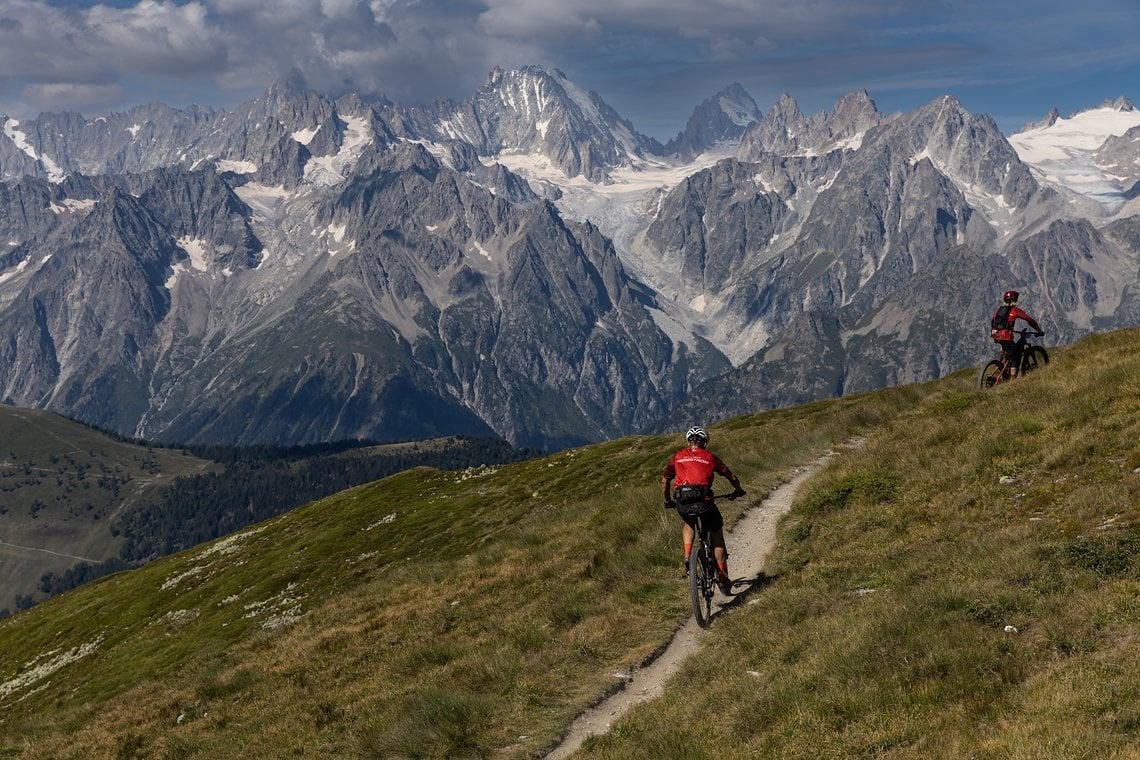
[(260, 482)]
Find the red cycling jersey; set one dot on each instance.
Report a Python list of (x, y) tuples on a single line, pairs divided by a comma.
[(695, 467)]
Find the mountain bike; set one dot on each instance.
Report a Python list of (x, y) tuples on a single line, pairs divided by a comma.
[(703, 570), (998, 370)]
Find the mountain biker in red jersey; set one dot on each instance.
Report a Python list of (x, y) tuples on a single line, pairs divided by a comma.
[(1001, 330), (694, 468)]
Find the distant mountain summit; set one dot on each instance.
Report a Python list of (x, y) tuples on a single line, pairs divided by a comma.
[(1114, 104), (535, 112), (721, 119), (784, 130), (1119, 104), (1049, 120)]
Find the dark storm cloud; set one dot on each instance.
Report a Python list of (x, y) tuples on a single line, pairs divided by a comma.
[(651, 59), (65, 57), (409, 49)]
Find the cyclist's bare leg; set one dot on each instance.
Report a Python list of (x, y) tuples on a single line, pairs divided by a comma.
[(720, 552), (1008, 362), (687, 534)]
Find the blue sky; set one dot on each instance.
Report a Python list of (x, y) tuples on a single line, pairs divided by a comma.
[(653, 61)]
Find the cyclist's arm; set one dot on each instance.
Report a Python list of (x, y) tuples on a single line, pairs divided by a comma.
[(737, 488), (722, 469), (1023, 315)]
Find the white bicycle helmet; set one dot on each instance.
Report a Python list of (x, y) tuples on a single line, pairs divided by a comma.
[(696, 432)]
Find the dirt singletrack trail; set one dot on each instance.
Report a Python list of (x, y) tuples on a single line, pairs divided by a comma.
[(749, 541)]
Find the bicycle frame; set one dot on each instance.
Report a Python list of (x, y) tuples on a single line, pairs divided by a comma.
[(998, 371), (703, 570)]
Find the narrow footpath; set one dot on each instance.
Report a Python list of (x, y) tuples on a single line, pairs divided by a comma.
[(749, 542)]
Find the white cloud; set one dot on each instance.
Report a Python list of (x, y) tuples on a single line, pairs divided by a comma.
[(645, 57), (156, 38)]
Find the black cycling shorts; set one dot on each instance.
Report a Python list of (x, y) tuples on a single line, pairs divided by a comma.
[(1011, 350), (711, 517)]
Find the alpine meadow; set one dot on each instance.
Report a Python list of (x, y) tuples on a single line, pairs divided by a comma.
[(964, 583)]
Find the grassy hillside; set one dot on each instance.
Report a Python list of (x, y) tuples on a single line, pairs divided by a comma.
[(964, 584), (76, 503), (62, 485)]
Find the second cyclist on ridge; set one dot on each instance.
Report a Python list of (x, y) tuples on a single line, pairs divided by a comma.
[(1001, 330)]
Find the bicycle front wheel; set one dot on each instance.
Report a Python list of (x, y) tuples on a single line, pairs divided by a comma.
[(1035, 357), (700, 586), (991, 375)]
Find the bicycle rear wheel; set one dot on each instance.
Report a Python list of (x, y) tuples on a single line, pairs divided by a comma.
[(700, 585), (1034, 358), (991, 375)]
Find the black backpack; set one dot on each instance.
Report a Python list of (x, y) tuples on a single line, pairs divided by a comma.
[(1000, 320)]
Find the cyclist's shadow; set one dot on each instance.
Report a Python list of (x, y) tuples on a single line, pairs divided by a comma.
[(742, 588)]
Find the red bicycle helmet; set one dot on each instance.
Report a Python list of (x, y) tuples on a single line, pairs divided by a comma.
[(1010, 295)]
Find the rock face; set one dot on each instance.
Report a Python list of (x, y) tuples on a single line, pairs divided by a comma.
[(402, 302), (302, 269), (1121, 156)]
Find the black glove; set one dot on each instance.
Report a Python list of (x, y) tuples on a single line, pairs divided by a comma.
[(1040, 333), (737, 493), (669, 505)]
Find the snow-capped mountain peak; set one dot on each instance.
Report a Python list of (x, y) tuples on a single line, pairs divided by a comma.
[(1064, 151), (738, 105), (537, 112), (720, 120)]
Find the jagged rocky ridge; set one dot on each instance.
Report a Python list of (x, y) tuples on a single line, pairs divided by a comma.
[(305, 269)]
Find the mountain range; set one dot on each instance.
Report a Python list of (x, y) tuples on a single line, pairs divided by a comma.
[(525, 264)]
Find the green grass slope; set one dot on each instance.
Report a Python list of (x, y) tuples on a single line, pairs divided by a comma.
[(964, 584), (62, 485)]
